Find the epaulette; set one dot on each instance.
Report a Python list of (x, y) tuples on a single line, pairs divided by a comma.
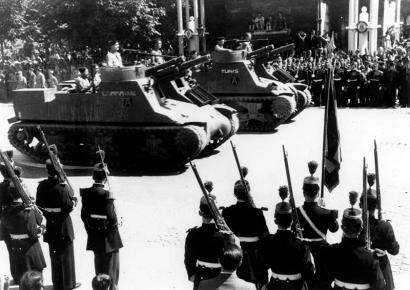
[(109, 195), (189, 230)]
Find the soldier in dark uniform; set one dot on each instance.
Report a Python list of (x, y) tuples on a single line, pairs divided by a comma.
[(203, 247), (355, 81), (382, 238), (314, 219), (317, 85), (22, 228), (390, 82), (100, 220), (249, 225), (349, 264), (55, 202), (339, 78), (375, 78), (287, 256)]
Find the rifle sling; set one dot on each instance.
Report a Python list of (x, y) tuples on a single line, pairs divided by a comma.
[(311, 224)]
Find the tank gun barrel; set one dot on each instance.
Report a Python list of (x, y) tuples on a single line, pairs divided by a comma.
[(261, 51), (194, 62), (265, 57), (154, 70), (139, 52)]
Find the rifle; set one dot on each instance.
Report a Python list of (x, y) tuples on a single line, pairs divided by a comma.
[(291, 196), (27, 202), (240, 169), (365, 213), (139, 52), (376, 166), (62, 177), (216, 215), (107, 172)]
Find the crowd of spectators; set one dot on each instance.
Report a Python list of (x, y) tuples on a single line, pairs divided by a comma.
[(271, 23)]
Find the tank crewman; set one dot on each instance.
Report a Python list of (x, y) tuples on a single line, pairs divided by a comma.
[(100, 220), (249, 225), (382, 238), (113, 57), (287, 256), (157, 53), (348, 264), (22, 228), (53, 198), (220, 44), (82, 83), (203, 247), (314, 219), (246, 43)]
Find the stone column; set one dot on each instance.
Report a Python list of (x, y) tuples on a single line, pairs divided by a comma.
[(195, 35), (398, 12), (202, 15), (353, 17), (374, 18), (180, 33)]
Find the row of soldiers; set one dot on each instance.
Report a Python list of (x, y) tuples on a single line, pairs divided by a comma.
[(22, 223), (358, 82), (295, 262)]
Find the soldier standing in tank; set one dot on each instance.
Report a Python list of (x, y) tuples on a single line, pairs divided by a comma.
[(203, 246), (348, 264), (100, 220), (315, 220), (284, 254), (56, 203), (382, 238), (249, 225), (113, 58), (22, 228)]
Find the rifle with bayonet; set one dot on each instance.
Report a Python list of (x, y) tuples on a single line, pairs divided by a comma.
[(378, 193), (101, 153), (62, 177), (291, 196), (365, 213), (27, 201), (216, 215), (242, 173)]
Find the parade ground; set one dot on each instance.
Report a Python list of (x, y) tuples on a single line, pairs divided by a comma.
[(157, 210)]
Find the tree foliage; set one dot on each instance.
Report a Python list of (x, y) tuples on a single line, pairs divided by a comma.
[(92, 23), (12, 19)]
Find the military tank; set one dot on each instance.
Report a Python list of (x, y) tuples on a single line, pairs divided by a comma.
[(135, 123), (174, 80), (262, 105), (301, 91)]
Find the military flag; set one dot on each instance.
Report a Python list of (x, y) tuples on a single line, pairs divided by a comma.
[(332, 157)]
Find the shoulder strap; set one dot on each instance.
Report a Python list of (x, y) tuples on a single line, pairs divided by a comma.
[(311, 224)]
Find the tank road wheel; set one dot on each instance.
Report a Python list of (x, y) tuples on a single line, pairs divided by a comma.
[(301, 100), (190, 141), (23, 136), (283, 107)]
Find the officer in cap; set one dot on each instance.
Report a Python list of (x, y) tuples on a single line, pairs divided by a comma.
[(54, 200), (249, 225), (203, 246), (348, 264), (100, 220), (287, 256), (314, 219), (382, 236)]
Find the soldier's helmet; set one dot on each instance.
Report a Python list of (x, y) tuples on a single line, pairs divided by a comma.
[(50, 167), (283, 210), (99, 172), (371, 199), (204, 207), (352, 220), (311, 184)]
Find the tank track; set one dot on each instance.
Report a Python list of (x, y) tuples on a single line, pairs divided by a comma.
[(158, 147), (234, 128), (261, 114)]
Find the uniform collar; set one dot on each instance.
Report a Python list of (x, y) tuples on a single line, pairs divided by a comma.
[(98, 184), (310, 203)]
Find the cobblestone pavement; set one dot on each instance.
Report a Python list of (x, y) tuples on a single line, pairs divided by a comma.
[(157, 210)]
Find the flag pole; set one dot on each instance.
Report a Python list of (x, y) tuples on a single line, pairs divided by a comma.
[(322, 192)]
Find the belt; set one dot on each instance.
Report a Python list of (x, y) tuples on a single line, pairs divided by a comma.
[(55, 209), (19, 237), (248, 239), (286, 277), (98, 216), (352, 286), (208, 264)]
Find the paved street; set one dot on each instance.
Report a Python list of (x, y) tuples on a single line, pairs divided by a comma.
[(157, 210)]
